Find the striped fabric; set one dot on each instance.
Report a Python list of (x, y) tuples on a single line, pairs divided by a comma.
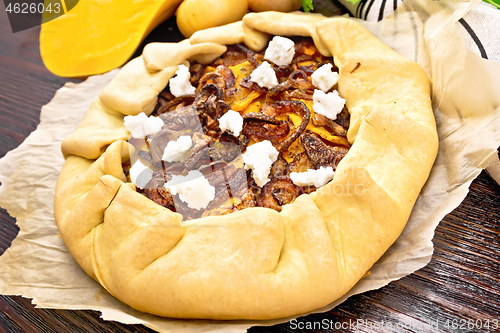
[(480, 29), (375, 10)]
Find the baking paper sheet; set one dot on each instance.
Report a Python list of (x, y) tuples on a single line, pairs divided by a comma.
[(467, 108)]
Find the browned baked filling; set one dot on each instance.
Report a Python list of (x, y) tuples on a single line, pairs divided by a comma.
[(282, 115)]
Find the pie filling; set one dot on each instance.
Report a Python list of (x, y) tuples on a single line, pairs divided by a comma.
[(201, 159)]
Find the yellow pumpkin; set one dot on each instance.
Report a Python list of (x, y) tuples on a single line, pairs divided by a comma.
[(194, 15), (97, 36)]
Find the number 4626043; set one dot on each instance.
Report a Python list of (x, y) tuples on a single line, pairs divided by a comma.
[(32, 8)]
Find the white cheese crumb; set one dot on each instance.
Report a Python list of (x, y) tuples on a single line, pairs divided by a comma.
[(194, 189), (231, 121), (264, 76), (260, 157), (140, 174), (180, 85), (328, 105), (317, 178), (176, 151), (280, 51), (141, 125), (323, 78)]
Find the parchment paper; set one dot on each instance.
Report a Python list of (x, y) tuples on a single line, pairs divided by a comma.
[(467, 108)]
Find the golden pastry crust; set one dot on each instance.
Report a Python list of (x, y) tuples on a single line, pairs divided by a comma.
[(255, 263)]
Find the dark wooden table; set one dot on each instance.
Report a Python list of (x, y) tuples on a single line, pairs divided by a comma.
[(461, 283)]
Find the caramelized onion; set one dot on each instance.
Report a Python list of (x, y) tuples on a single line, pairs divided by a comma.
[(227, 179), (198, 155), (255, 59), (248, 200), (175, 103), (299, 94), (343, 118), (299, 80), (196, 70), (182, 119), (279, 92), (282, 72), (234, 55), (159, 141), (247, 82), (307, 70), (212, 78), (241, 141), (227, 74), (285, 107), (224, 151), (266, 131), (279, 168), (262, 117), (289, 89), (155, 190), (301, 163), (332, 127), (321, 154), (259, 126), (278, 192)]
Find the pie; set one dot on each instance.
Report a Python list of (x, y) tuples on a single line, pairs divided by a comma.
[(256, 262)]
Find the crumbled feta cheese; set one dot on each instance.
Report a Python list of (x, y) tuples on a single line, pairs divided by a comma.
[(323, 78), (231, 121), (180, 84), (317, 178), (194, 189), (176, 151), (328, 105), (260, 157), (140, 174), (280, 51), (141, 125), (264, 76)]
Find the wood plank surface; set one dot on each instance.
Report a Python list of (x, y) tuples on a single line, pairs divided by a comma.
[(461, 283)]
